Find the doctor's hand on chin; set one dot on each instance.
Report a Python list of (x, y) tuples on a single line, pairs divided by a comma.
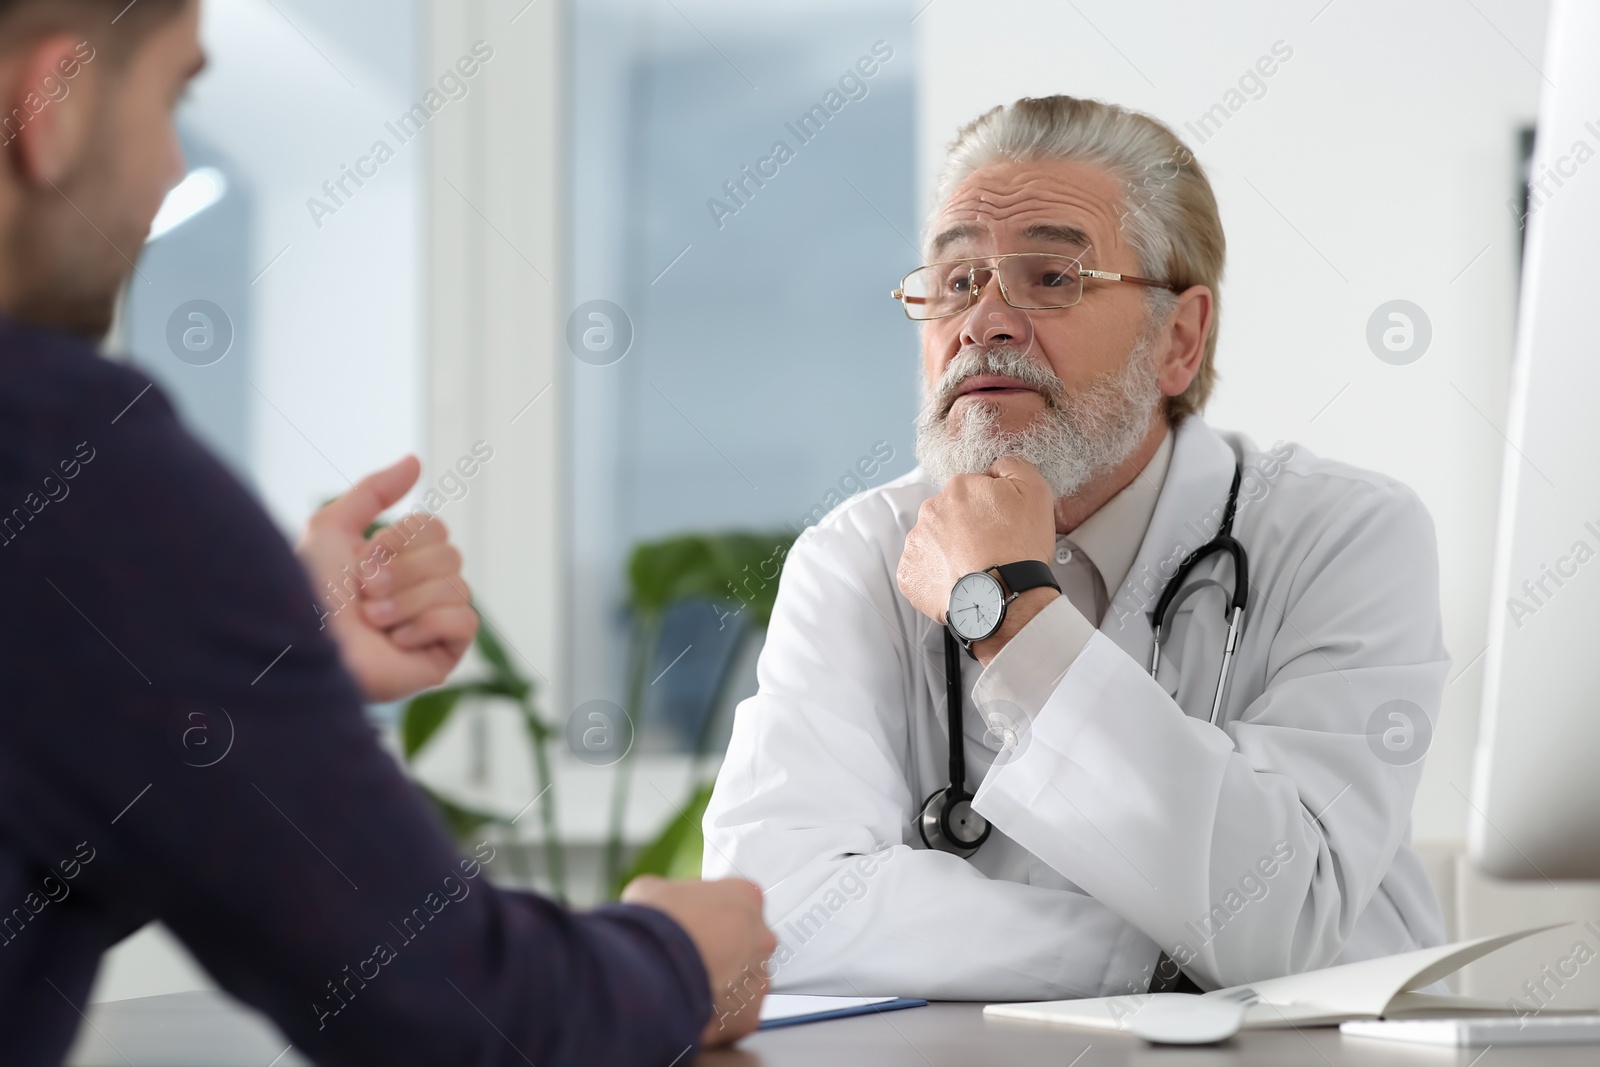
[(395, 602), (979, 521)]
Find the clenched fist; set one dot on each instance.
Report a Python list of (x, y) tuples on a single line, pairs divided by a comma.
[(723, 918)]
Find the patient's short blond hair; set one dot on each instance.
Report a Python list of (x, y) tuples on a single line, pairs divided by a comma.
[(1169, 215)]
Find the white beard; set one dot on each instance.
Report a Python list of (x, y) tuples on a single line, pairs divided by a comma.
[(1075, 439)]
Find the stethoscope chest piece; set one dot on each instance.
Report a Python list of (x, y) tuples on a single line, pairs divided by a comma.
[(949, 823)]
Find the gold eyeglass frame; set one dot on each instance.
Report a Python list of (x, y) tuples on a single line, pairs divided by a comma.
[(984, 262)]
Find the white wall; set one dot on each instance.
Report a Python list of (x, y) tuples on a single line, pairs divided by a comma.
[(1376, 165)]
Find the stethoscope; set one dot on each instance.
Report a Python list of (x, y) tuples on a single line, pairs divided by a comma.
[(948, 822)]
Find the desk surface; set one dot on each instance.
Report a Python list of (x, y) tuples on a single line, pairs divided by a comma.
[(959, 1035), (211, 1030)]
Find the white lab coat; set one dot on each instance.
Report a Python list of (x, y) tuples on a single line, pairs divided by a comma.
[(1124, 823)]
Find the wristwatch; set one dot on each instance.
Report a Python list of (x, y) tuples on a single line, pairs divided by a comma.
[(979, 600)]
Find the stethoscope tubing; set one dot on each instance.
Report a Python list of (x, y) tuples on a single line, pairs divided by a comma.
[(938, 805), (1223, 542)]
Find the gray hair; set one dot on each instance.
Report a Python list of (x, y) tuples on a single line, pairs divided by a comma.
[(1169, 214)]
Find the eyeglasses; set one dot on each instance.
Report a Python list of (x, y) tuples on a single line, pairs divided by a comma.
[(1030, 281)]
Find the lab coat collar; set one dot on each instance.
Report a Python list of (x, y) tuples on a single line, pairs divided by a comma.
[(1112, 535), (1187, 515)]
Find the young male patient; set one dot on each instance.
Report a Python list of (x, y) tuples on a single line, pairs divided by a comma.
[(147, 596)]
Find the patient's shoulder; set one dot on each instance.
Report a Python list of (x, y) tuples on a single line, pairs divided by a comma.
[(111, 486)]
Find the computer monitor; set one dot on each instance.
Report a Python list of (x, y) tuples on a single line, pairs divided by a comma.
[(1536, 788)]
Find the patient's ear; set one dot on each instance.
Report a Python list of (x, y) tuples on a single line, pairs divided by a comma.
[(47, 120)]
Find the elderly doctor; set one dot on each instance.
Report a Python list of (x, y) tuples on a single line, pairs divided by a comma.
[(1095, 830)]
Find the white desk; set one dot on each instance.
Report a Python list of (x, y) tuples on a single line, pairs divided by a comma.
[(204, 1030), (957, 1035)]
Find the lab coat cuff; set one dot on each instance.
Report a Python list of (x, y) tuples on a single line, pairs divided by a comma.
[(1023, 674)]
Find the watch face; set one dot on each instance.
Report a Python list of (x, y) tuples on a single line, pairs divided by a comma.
[(976, 604)]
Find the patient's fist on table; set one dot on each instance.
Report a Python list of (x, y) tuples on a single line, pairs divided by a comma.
[(723, 918)]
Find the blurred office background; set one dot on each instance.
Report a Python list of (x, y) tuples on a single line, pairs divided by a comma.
[(572, 264)]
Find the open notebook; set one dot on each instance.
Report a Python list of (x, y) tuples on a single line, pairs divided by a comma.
[(1387, 988)]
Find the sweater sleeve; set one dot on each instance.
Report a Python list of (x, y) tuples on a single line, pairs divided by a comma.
[(180, 712)]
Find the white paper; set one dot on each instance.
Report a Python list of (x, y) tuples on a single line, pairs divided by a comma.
[(790, 1005), (1364, 990)]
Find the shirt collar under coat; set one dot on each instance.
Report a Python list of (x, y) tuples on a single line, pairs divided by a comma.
[(1111, 537)]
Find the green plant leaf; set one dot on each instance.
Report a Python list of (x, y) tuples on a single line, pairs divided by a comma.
[(538, 729), (677, 850), (462, 820), (494, 654), (496, 687), (424, 714), (730, 567)]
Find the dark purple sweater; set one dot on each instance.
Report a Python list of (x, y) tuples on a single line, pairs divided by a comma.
[(178, 741)]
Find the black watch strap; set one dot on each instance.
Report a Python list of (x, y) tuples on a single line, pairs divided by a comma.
[(1015, 579), (1025, 575)]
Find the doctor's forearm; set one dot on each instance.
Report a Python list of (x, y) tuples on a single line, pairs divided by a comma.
[(910, 922), (1160, 816)]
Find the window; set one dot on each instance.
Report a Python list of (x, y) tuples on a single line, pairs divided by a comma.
[(304, 369), (742, 203)]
